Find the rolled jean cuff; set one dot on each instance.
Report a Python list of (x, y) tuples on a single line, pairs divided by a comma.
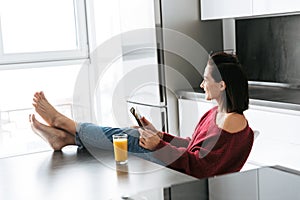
[(78, 142)]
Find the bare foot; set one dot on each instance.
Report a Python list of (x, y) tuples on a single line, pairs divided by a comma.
[(51, 115), (45, 109), (55, 137)]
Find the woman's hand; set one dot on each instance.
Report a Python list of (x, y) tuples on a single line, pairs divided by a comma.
[(149, 126), (148, 139)]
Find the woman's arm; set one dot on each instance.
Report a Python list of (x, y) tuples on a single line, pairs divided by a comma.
[(180, 159), (176, 141)]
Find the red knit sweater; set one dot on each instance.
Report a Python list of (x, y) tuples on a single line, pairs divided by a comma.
[(211, 151)]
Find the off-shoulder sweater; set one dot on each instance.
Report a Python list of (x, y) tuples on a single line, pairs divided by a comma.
[(211, 150)]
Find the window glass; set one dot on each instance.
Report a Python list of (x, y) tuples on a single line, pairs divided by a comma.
[(35, 25), (17, 88), (42, 46), (35, 30)]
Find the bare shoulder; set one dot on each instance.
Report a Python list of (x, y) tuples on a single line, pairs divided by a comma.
[(235, 123)]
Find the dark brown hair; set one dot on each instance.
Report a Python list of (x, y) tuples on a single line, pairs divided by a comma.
[(228, 69)]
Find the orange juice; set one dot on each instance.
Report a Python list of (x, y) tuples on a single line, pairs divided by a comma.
[(120, 148)]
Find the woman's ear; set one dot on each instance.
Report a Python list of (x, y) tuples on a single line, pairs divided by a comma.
[(222, 85)]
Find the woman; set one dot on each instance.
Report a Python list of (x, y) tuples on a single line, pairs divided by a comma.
[(220, 144)]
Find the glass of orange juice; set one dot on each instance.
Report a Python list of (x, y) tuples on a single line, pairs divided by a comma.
[(120, 148)]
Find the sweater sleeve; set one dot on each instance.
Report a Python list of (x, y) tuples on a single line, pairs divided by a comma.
[(176, 141), (180, 159)]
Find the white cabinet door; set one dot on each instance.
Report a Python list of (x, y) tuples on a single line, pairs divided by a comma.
[(218, 9), (190, 112), (279, 140), (263, 7)]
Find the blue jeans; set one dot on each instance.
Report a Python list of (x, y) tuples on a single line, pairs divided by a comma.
[(91, 135)]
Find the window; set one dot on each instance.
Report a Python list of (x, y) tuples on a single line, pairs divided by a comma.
[(35, 30), (43, 45)]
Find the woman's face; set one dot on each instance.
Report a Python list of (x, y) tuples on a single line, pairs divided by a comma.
[(212, 88)]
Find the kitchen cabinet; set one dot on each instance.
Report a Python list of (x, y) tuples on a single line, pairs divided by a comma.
[(275, 182), (216, 9), (265, 7), (190, 112), (279, 138)]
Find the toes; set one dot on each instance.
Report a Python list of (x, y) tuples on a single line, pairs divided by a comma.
[(39, 95), (35, 100), (34, 105), (33, 118), (42, 95), (36, 95)]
